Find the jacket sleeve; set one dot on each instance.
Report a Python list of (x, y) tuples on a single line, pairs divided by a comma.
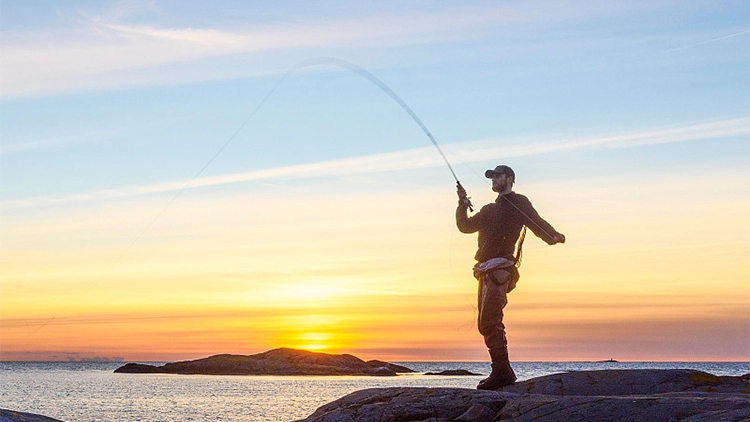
[(534, 222), (465, 223)]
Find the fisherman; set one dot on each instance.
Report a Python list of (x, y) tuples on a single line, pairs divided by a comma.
[(500, 240)]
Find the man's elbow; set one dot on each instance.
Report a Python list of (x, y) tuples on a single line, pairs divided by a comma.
[(465, 229)]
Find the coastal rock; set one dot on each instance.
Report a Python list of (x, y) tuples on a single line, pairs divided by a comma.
[(12, 416), (611, 395), (412, 404), (622, 382), (376, 364), (686, 408), (282, 361)]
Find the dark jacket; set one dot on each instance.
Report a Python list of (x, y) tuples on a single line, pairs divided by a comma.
[(499, 224)]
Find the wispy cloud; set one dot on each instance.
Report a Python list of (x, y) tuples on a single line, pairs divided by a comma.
[(40, 143), (109, 51), (466, 152), (111, 55), (474, 151), (10, 145)]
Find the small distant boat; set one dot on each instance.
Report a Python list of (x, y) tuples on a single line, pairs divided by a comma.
[(606, 361)]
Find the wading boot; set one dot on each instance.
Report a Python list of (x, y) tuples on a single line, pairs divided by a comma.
[(502, 374)]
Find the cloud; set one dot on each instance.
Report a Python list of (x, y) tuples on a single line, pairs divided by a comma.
[(425, 157), (48, 140), (105, 55), (469, 152), (112, 51), (41, 143)]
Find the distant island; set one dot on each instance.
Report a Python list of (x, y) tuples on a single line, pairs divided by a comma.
[(283, 361), (453, 372)]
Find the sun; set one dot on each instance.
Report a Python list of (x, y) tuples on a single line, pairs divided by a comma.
[(315, 332), (313, 341)]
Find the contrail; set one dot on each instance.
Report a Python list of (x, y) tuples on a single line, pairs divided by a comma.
[(711, 40)]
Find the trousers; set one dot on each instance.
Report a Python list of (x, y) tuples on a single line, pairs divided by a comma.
[(492, 298)]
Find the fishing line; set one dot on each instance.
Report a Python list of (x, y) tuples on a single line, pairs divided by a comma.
[(174, 198), (305, 63), (385, 88)]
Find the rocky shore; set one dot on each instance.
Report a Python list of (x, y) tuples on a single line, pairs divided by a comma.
[(283, 361), (13, 416), (610, 395)]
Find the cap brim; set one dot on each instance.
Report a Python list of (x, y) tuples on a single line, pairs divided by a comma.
[(489, 174)]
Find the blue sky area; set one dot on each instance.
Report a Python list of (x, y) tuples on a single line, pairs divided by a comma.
[(628, 124), (98, 95)]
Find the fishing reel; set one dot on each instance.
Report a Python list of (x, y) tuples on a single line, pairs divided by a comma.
[(465, 199)]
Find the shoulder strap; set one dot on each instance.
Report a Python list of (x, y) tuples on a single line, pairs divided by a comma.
[(519, 247)]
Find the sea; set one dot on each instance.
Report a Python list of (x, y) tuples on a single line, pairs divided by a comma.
[(91, 391)]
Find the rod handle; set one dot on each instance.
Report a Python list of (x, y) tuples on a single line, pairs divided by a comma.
[(466, 200)]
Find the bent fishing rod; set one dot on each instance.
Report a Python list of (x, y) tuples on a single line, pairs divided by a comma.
[(385, 88), (374, 80)]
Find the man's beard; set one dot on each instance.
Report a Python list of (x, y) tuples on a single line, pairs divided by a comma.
[(500, 186)]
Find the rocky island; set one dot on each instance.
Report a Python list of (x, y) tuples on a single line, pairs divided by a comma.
[(642, 395), (283, 361), (13, 416)]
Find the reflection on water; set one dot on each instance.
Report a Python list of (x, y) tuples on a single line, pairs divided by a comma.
[(92, 392)]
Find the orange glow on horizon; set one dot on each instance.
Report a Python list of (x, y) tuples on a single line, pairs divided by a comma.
[(398, 289)]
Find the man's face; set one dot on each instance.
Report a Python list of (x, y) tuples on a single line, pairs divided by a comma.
[(501, 182)]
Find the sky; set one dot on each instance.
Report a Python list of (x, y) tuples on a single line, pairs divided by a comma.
[(180, 179)]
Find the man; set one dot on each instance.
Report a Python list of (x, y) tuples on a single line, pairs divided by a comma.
[(499, 225)]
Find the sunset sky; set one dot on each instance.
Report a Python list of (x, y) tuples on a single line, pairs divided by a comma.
[(156, 205)]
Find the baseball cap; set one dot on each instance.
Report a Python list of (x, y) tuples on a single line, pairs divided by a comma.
[(501, 169)]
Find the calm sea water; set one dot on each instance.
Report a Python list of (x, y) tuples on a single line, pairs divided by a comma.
[(75, 392)]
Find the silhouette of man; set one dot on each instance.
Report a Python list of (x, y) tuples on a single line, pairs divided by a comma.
[(500, 226)]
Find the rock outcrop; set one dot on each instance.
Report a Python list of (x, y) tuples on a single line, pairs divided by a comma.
[(13, 416), (611, 395), (453, 372), (273, 362), (624, 382)]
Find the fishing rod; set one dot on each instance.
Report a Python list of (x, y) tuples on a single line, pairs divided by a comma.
[(385, 88)]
